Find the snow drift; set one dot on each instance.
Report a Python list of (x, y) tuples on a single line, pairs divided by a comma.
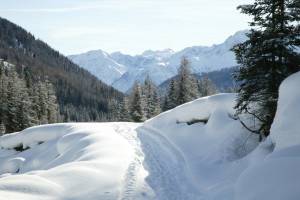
[(209, 148), (64, 161), (195, 151), (277, 176)]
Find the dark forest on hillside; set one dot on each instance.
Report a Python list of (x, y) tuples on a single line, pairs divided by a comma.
[(80, 95)]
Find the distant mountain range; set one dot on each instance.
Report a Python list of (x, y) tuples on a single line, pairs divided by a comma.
[(121, 70)]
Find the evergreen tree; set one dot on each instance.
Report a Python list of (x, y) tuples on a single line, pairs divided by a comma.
[(2, 129), (187, 85), (137, 104), (23, 108), (155, 105), (152, 101), (171, 98), (124, 112), (115, 110), (206, 87), (3, 94), (23, 104), (41, 102), (52, 107), (267, 57), (12, 102)]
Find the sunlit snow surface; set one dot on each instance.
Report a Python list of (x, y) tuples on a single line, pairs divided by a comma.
[(161, 159), (76, 161)]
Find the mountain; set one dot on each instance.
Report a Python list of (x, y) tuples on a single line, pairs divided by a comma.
[(81, 96), (94, 60), (160, 65)]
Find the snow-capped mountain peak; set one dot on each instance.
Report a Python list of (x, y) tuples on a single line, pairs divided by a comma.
[(101, 64), (165, 53), (121, 70)]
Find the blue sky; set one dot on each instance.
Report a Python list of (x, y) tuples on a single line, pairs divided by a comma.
[(130, 26)]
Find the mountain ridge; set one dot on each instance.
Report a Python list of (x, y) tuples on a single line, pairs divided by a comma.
[(160, 65)]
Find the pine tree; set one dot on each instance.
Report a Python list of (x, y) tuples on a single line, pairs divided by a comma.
[(12, 102), (137, 104), (124, 112), (22, 103), (206, 87), (267, 57), (41, 102), (52, 106), (2, 128), (3, 94), (152, 101), (187, 85), (115, 110), (23, 108), (171, 98), (155, 105)]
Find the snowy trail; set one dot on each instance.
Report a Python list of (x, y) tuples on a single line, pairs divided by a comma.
[(166, 167), (130, 178)]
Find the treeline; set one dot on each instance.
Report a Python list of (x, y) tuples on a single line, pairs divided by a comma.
[(144, 102), (23, 102)]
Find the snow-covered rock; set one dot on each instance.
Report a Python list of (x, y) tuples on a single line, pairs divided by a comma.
[(121, 71)]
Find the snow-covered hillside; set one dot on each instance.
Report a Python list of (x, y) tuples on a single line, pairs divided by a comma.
[(195, 151), (100, 64), (121, 71)]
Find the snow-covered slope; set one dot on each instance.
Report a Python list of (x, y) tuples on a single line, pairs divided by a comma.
[(277, 176), (100, 64), (210, 150), (121, 70), (70, 162), (195, 151)]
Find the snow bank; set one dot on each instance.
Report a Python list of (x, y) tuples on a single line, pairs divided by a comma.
[(210, 148), (223, 160), (286, 126), (217, 138), (75, 161), (32, 136), (277, 175), (199, 109)]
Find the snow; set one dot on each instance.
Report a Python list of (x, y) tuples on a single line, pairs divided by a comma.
[(75, 161), (209, 151), (194, 151), (285, 129), (277, 175), (121, 70), (100, 64)]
